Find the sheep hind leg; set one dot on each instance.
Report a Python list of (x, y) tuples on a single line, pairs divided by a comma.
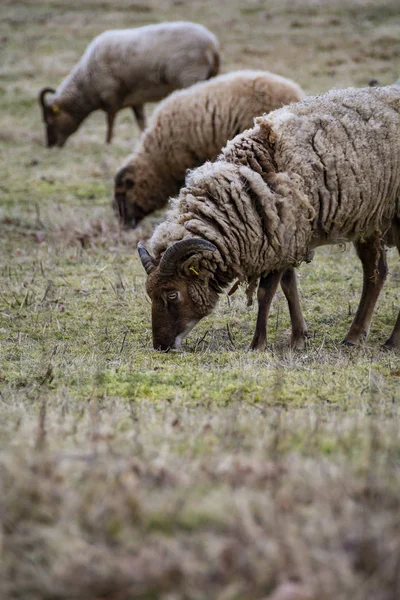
[(299, 326), (110, 126), (138, 111), (372, 254), (394, 340), (266, 291)]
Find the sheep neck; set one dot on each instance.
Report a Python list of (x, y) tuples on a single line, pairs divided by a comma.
[(73, 96)]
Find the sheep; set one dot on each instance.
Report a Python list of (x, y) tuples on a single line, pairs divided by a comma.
[(190, 127), (323, 171), (129, 67)]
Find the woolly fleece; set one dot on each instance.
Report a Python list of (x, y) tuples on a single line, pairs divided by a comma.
[(322, 171)]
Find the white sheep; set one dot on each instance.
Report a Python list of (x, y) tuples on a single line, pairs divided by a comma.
[(190, 127), (322, 171), (129, 67)]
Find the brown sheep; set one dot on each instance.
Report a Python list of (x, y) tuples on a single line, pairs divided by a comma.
[(323, 171)]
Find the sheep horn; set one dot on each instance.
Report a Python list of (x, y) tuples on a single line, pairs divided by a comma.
[(174, 254), (46, 90), (146, 258)]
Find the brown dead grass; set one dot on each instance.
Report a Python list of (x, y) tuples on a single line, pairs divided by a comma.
[(176, 505)]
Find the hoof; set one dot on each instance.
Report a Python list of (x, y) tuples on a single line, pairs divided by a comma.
[(389, 345), (298, 338), (298, 343), (257, 347), (348, 343)]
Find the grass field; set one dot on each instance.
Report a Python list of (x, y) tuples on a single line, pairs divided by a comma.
[(214, 472)]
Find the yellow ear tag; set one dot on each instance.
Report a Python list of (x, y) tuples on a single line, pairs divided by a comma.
[(194, 270), (55, 109)]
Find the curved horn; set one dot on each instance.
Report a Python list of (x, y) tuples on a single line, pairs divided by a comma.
[(174, 254), (46, 90), (146, 258)]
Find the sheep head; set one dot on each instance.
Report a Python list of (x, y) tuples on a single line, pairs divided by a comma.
[(181, 288), (59, 123), (134, 196)]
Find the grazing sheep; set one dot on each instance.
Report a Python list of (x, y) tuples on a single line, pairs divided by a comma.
[(129, 67), (190, 127), (323, 171)]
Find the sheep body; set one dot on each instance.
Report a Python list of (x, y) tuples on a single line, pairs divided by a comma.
[(322, 171), (129, 67), (190, 127)]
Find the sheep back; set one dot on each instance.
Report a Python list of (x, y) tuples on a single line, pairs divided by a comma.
[(345, 147), (192, 125)]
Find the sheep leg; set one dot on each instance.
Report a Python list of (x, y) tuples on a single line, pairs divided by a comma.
[(299, 326), (138, 111), (373, 258), (110, 126), (266, 291), (394, 340)]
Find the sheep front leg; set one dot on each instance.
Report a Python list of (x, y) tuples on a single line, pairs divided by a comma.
[(110, 126), (372, 254), (138, 111), (265, 293), (299, 326)]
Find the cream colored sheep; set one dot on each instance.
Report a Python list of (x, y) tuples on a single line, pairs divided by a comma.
[(129, 67), (190, 127), (323, 171)]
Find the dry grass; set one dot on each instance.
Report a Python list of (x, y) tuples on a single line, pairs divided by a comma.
[(212, 473)]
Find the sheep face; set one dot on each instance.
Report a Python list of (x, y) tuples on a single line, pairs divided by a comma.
[(59, 126), (58, 122), (125, 203), (137, 193), (174, 310), (180, 290)]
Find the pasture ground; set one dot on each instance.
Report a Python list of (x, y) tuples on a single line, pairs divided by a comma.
[(212, 473)]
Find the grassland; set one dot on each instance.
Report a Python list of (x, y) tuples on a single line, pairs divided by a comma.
[(210, 473)]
